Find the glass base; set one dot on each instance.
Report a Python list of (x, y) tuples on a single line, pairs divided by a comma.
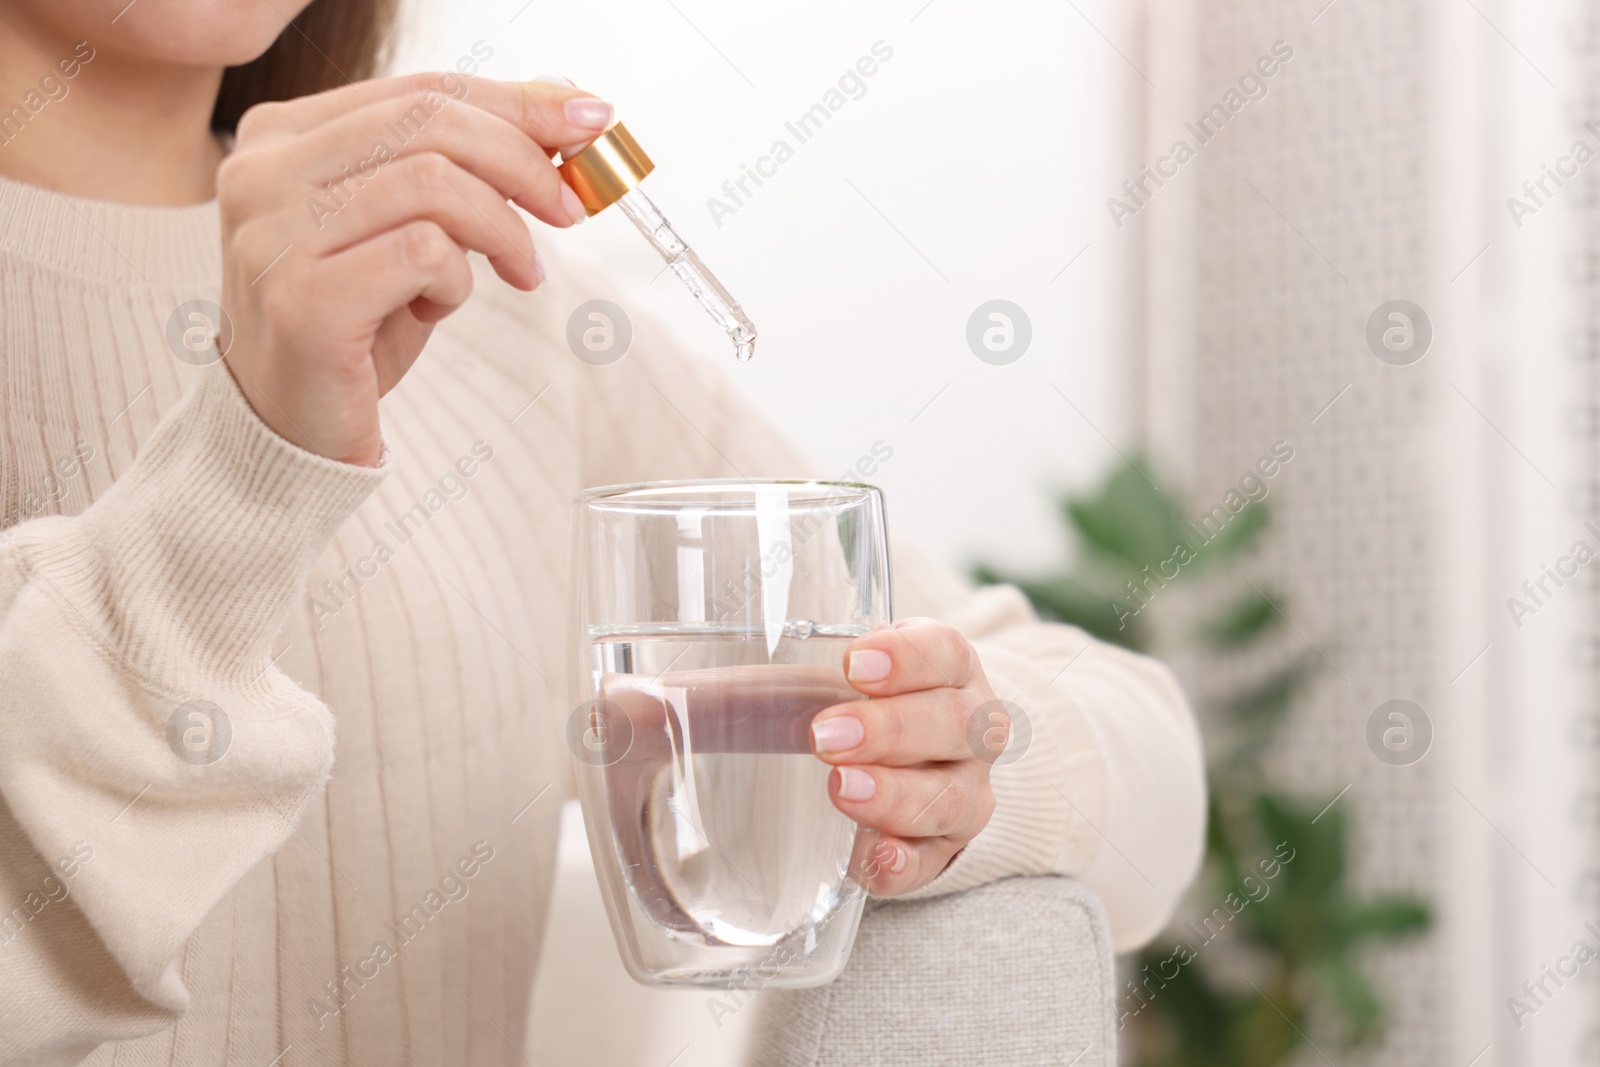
[(749, 979)]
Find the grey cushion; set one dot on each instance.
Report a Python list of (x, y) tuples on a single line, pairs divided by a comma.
[(1018, 973)]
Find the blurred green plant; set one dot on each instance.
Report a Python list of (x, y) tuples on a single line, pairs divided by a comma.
[(1297, 953)]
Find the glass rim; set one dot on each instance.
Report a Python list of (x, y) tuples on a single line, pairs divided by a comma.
[(638, 492)]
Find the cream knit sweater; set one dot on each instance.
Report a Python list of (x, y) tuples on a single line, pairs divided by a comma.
[(160, 546)]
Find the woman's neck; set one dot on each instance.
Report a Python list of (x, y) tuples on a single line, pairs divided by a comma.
[(120, 128)]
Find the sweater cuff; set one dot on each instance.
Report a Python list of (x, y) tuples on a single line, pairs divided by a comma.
[(1049, 785), (202, 546)]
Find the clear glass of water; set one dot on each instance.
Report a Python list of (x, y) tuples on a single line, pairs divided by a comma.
[(710, 621)]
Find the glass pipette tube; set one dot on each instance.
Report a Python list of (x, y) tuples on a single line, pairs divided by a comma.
[(608, 171), (717, 301)]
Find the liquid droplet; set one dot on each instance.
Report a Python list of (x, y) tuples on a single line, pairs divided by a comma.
[(744, 350), (802, 629)]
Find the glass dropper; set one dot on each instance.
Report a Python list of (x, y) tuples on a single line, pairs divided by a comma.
[(608, 171)]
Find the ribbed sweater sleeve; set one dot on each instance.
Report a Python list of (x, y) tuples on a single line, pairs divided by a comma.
[(134, 648), (1105, 779)]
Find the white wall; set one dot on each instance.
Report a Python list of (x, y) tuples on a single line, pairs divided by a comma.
[(989, 141)]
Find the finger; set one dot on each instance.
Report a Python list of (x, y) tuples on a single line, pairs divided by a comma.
[(541, 105), (398, 343), (889, 866), (567, 150), (475, 140), (914, 802), (286, 118), (430, 186), (551, 113), (396, 268), (898, 731), (909, 655)]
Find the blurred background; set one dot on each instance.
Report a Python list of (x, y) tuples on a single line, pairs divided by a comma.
[(1304, 286)]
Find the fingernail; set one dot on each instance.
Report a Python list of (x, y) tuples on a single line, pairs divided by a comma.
[(554, 79), (572, 205), (856, 784), (538, 268), (869, 665), (587, 111), (838, 734)]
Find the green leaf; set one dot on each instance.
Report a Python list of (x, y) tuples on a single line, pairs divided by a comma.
[(1314, 840), (1129, 520), (1302, 931), (1386, 918), (1067, 599), (1185, 1009), (1271, 1028), (1354, 996), (1241, 622), (847, 524), (1223, 856), (1236, 537), (1264, 704)]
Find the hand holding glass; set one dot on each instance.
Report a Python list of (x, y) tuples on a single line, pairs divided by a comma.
[(711, 621)]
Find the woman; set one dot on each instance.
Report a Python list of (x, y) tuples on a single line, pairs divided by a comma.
[(235, 551)]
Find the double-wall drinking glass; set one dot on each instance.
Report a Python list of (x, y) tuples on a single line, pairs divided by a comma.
[(710, 621)]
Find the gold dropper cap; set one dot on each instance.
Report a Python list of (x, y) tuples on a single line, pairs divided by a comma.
[(607, 169)]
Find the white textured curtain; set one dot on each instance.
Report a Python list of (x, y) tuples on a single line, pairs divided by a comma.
[(1385, 161)]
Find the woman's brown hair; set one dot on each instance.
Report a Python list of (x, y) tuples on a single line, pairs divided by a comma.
[(330, 43)]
